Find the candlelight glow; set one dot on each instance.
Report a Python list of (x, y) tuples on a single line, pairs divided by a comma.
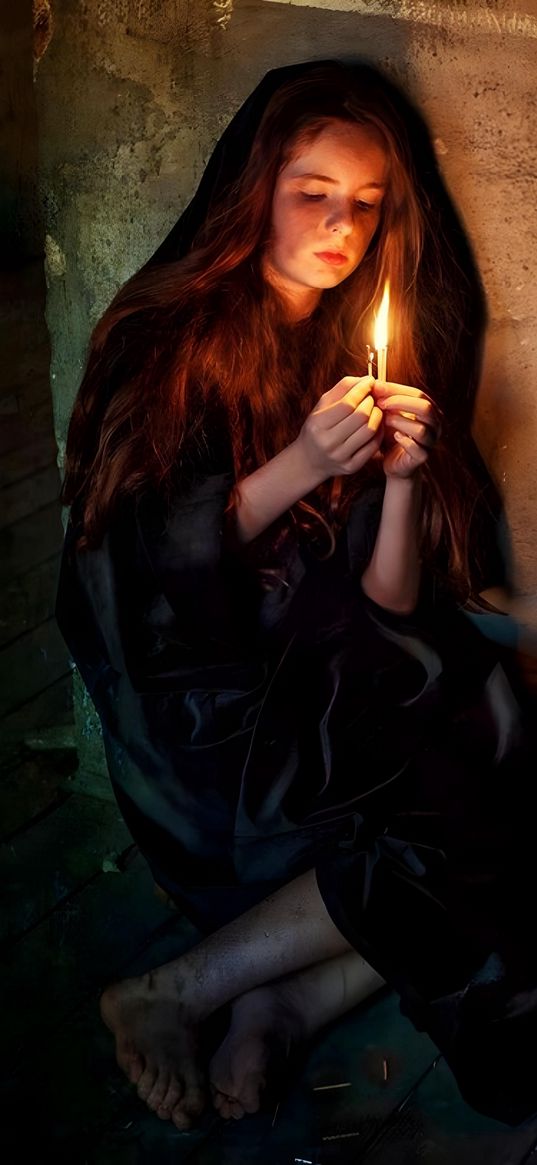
[(381, 320)]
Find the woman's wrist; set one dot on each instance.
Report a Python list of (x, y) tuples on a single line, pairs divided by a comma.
[(306, 476), (272, 489), (392, 577), (402, 497), (404, 486)]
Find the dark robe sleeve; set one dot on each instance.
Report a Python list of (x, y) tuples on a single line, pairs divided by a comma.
[(169, 599), (166, 598), (199, 575)]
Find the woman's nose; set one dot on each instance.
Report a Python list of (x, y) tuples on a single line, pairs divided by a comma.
[(341, 219)]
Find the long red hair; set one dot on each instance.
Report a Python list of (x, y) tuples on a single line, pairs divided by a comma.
[(203, 344)]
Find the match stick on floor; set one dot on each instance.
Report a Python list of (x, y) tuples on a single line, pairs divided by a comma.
[(328, 1087), (340, 1136)]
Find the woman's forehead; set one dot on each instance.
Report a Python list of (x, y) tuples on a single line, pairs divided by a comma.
[(340, 144)]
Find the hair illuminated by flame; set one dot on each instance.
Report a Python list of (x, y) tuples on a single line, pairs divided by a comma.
[(206, 336)]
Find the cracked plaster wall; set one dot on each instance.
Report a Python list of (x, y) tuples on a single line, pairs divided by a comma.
[(132, 95)]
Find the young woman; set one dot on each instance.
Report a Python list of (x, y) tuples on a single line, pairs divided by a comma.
[(260, 583)]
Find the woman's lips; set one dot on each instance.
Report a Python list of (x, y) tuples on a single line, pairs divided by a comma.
[(335, 258)]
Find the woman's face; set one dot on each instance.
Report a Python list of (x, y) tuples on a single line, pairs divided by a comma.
[(325, 211)]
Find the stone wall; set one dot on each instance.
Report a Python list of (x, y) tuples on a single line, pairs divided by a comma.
[(132, 95)]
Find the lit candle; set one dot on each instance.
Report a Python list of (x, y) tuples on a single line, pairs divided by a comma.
[(381, 333)]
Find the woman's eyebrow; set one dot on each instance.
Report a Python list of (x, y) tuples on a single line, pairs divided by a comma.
[(334, 181), (319, 177)]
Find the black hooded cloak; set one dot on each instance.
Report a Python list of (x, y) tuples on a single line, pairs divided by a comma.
[(252, 734)]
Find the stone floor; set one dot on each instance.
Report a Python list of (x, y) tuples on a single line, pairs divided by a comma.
[(79, 907)]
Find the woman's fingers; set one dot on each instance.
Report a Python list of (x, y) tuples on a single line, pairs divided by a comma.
[(420, 406), (367, 432), (403, 398), (410, 415), (385, 388), (345, 428), (338, 421), (358, 401), (362, 456), (421, 432), (349, 423), (411, 411), (418, 453), (342, 399)]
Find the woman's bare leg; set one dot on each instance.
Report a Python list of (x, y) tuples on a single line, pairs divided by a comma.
[(269, 1020), (155, 1018)]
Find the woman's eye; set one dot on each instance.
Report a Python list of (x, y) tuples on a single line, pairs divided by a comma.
[(360, 204)]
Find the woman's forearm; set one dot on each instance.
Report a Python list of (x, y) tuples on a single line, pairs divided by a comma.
[(392, 577), (271, 490)]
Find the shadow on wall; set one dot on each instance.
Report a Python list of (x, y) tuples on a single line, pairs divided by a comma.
[(21, 231)]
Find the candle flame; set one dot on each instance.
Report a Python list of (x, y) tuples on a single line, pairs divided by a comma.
[(381, 320)]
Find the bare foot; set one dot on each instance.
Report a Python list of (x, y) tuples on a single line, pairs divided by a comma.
[(265, 1024), (156, 1046), (156, 1018), (268, 1021)]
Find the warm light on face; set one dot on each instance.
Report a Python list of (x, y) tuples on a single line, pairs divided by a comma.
[(325, 211), (381, 320)]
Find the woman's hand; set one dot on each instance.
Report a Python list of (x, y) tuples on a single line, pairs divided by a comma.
[(341, 433), (343, 430), (411, 425)]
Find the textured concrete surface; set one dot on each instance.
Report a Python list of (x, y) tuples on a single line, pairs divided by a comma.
[(132, 96)]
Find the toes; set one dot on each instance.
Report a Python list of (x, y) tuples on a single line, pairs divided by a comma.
[(172, 1097), (194, 1101), (226, 1107), (245, 1094), (190, 1107), (158, 1091), (147, 1081), (217, 1098), (164, 1114), (229, 1108), (180, 1119)]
